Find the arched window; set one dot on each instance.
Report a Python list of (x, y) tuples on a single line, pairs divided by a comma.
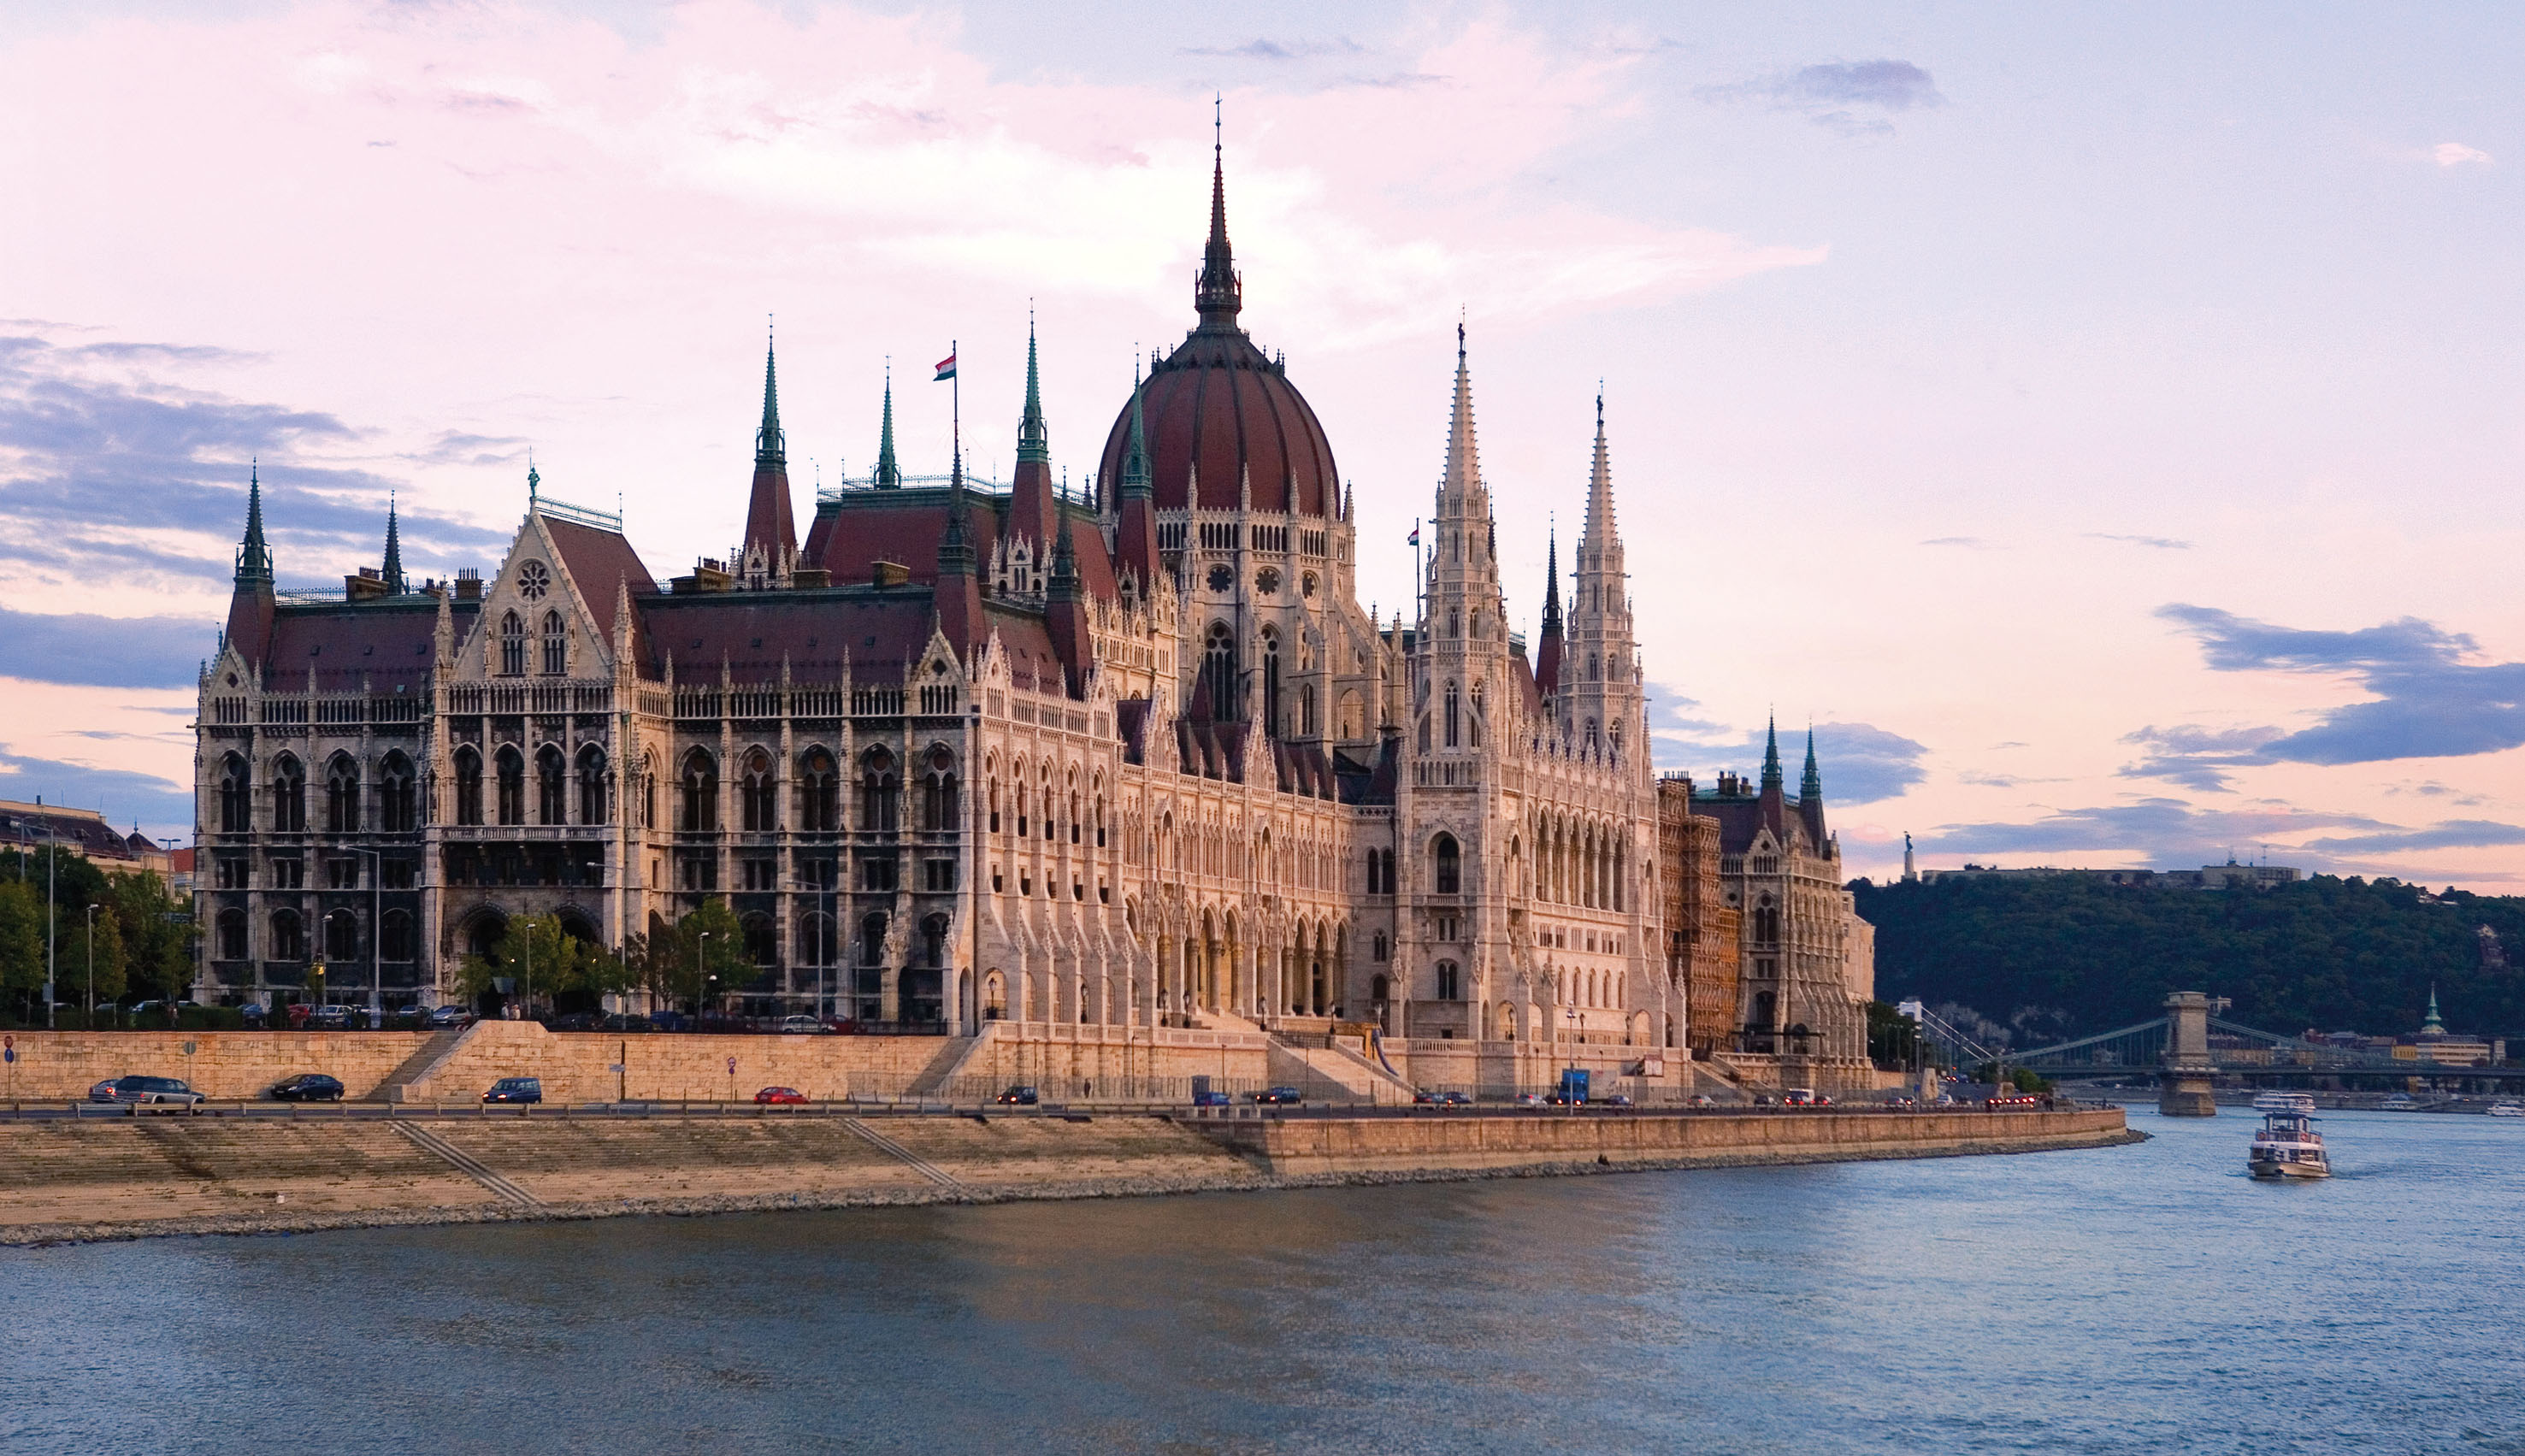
[(815, 940), (236, 798), (513, 786), (288, 797), (1379, 988), (592, 786), (552, 787), (762, 940), (341, 795), (1377, 951), (700, 793), (1449, 986), (1765, 1009), (1307, 710), (232, 935), (933, 940), (648, 790), (938, 792), (394, 938), (1767, 923), (820, 792), (287, 941), (1453, 716), (880, 792), (513, 645), (342, 937), (757, 795), (556, 646), (469, 786), (1451, 868), (1272, 682), (872, 940), (1473, 729), (398, 805), (1218, 659)]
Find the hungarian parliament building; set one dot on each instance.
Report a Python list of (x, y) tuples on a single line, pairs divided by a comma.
[(1113, 766)]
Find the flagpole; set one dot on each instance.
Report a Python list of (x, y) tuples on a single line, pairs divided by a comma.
[(1420, 581), (956, 404)]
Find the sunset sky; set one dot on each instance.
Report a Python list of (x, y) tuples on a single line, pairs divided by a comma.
[(2100, 422)]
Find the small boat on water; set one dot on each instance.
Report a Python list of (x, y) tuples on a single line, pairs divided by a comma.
[(2287, 1144), (2508, 1109), (2399, 1104)]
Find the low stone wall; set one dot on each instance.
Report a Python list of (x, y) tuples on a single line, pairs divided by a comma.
[(61, 1066), (1312, 1148)]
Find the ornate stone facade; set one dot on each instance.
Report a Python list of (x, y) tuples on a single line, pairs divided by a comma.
[(1116, 766)]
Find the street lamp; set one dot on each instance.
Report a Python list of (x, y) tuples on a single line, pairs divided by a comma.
[(376, 931), (701, 982), (92, 968)]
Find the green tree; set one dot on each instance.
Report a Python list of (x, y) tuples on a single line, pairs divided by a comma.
[(91, 966), (157, 936), (702, 952), (21, 944)]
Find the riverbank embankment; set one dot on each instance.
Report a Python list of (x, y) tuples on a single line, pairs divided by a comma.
[(167, 1173)]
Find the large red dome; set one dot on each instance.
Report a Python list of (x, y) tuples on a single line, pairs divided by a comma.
[(1218, 411), (1218, 408)]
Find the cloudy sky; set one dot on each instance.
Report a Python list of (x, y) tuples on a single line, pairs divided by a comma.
[(2100, 422)]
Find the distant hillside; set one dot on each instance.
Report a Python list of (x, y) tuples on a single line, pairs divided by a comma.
[(2067, 956)]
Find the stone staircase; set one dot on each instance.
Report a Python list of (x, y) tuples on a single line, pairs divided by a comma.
[(419, 1066), (1332, 1072), (933, 1080)]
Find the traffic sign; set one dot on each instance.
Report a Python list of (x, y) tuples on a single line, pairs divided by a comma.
[(732, 1066)]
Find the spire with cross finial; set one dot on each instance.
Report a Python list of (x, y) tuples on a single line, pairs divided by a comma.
[(889, 474), (392, 570), (1218, 295), (770, 528), (254, 554)]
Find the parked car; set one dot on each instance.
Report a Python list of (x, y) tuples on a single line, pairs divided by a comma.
[(780, 1097), (1210, 1099), (516, 1089), (1527, 1100), (799, 1025), (1698, 1100), (255, 1013), (1443, 1098), (1277, 1097), (1425, 1099), (335, 1018), (1617, 1099), (1765, 1100), (138, 1091), (307, 1087), (1804, 1097), (627, 1021), (841, 1026), (447, 1016), (1019, 1096)]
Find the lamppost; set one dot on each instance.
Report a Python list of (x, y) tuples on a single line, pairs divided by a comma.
[(376, 931), (92, 968), (52, 950), (701, 982)]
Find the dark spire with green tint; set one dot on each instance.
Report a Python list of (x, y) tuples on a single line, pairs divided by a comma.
[(1771, 775), (1033, 446), (1811, 786), (254, 554), (770, 448), (889, 474), (1136, 485), (393, 571)]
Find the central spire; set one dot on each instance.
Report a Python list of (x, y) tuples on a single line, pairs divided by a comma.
[(1219, 294), (1464, 459), (392, 570)]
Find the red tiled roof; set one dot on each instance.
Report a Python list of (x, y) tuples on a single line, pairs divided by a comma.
[(385, 645), (1218, 403)]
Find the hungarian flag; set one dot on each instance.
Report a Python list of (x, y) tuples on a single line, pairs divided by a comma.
[(946, 369), (1416, 534)]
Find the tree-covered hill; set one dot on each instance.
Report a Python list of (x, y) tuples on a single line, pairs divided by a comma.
[(2069, 955)]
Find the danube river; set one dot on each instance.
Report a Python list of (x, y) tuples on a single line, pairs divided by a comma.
[(2134, 1299)]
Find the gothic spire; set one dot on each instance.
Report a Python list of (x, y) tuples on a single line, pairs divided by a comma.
[(254, 555), (1771, 756), (1599, 532), (889, 474), (768, 447), (1219, 294), (1135, 458), (1032, 445), (393, 567), (1464, 459), (1811, 786), (1552, 582)]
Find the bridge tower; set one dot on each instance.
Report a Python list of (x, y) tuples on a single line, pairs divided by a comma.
[(2185, 1087)]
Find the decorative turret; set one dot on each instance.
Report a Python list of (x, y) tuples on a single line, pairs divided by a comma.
[(1219, 294), (2433, 1025), (1771, 775), (392, 570), (889, 474), (771, 532), (254, 555), (1135, 533), (1032, 507), (1810, 796), (1601, 688), (250, 608), (1548, 650), (1064, 613), (1463, 645), (958, 595)]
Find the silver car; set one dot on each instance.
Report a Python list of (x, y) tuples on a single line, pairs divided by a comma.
[(138, 1091)]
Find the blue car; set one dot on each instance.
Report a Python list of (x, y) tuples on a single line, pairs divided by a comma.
[(1210, 1099), (516, 1089)]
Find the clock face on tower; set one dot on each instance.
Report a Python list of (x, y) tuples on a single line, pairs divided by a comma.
[(533, 580)]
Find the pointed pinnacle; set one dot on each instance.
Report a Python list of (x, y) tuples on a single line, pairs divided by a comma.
[(1032, 446), (767, 443)]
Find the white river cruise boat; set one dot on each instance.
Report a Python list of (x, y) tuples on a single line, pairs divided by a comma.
[(2507, 1109), (2288, 1146)]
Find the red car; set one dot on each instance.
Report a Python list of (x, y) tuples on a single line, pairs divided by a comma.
[(779, 1096)]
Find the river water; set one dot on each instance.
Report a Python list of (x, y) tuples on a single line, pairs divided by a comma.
[(2135, 1299)]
